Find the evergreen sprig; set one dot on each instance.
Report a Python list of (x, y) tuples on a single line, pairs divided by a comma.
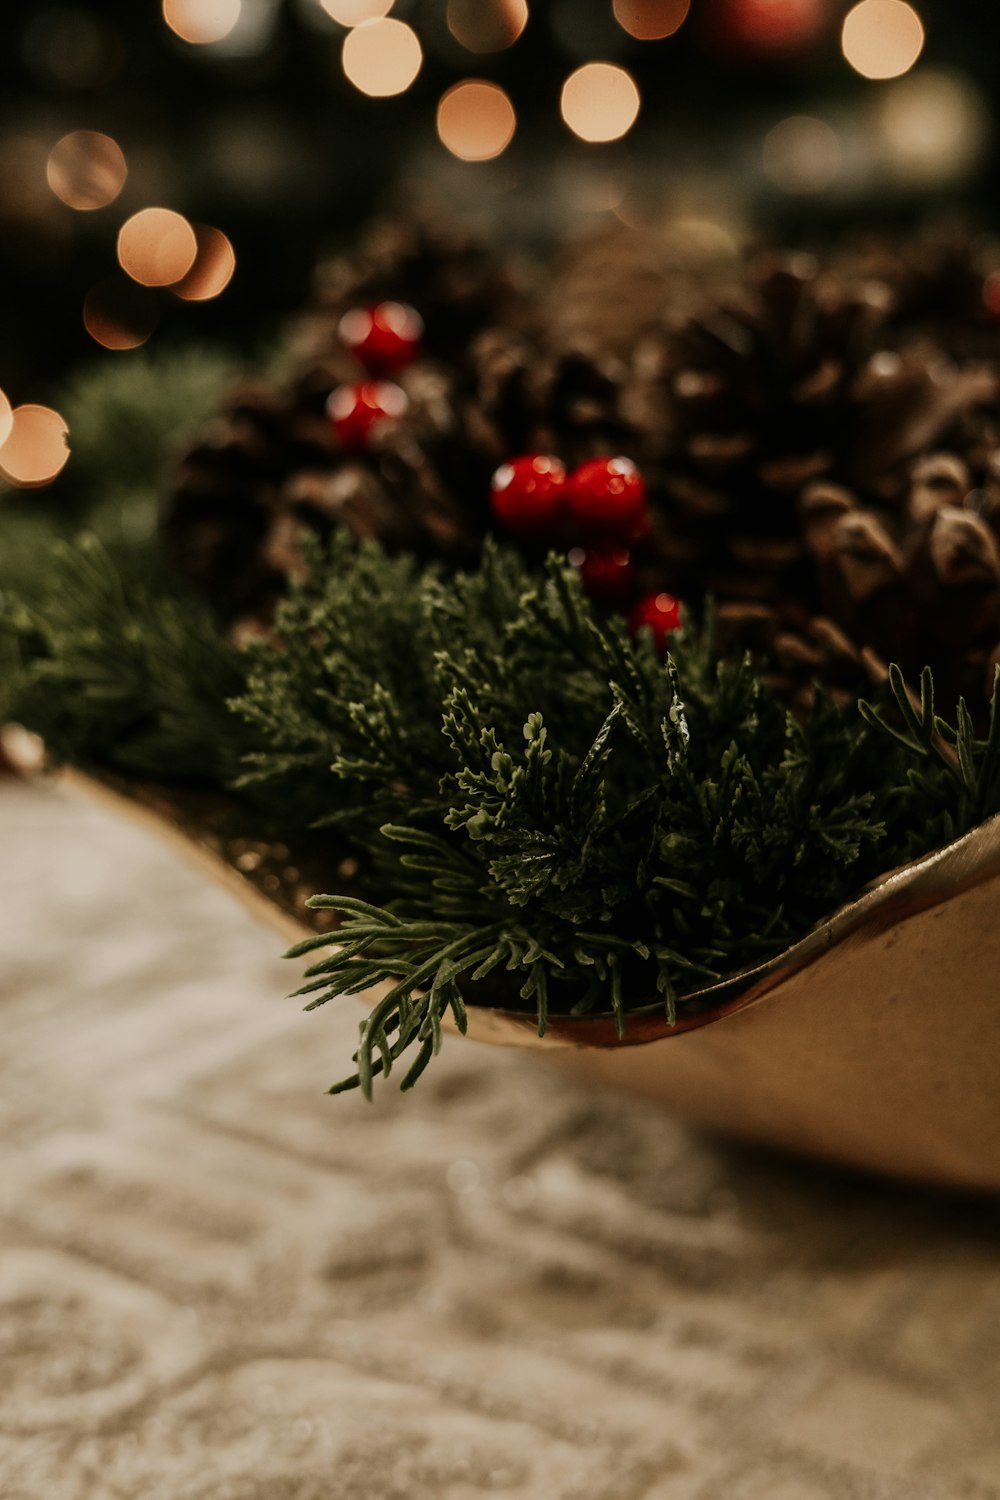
[(115, 670), (538, 802), (953, 780), (552, 798)]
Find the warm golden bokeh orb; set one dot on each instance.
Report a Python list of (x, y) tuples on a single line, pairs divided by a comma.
[(201, 22), (156, 247), (36, 449), (935, 126), (382, 58), (120, 315), (487, 25), (650, 20), (802, 154), (353, 12), (600, 102), (213, 266), (86, 170), (475, 120), (6, 418), (882, 38)]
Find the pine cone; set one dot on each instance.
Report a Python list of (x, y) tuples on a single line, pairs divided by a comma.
[(833, 479), (447, 273), (270, 465), (939, 283), (481, 391), (809, 470)]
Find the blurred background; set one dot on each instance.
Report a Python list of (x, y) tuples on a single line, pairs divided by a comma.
[(170, 170)]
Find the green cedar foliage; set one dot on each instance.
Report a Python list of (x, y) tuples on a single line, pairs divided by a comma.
[(537, 794), (547, 814), (125, 416), (116, 671)]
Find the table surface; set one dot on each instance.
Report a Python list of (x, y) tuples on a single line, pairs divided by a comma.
[(217, 1283)]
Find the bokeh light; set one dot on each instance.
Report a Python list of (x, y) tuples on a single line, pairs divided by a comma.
[(156, 247), (36, 449), (475, 120), (201, 22), (991, 293), (882, 38), (213, 266), (802, 155), (649, 20), (69, 46), (382, 58), (487, 25), (6, 418), (354, 12), (600, 102), (25, 196), (695, 241), (120, 315), (86, 169), (935, 126), (778, 28)]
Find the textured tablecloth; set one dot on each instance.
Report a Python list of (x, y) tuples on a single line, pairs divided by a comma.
[(216, 1283)]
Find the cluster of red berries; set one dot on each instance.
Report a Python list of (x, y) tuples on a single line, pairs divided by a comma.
[(604, 503), (384, 339)]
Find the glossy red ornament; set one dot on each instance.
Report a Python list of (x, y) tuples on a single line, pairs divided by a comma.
[(385, 338), (607, 497), (527, 493), (605, 572), (354, 410), (658, 613)]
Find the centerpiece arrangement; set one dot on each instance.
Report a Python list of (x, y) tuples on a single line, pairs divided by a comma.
[(577, 648)]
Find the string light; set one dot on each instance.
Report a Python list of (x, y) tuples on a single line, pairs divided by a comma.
[(353, 12), (86, 170), (487, 25), (201, 22), (6, 418), (651, 20), (382, 58), (213, 268), (600, 102), (120, 315), (36, 448), (882, 38), (475, 120), (156, 247), (802, 155)]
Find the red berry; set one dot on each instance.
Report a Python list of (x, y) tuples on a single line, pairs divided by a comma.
[(605, 572), (607, 496), (658, 613), (385, 338), (527, 493), (355, 409)]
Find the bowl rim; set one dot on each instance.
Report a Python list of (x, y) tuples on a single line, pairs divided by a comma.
[(888, 900)]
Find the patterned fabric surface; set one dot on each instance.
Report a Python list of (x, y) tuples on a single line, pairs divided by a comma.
[(218, 1284)]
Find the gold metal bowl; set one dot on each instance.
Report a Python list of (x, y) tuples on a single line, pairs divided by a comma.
[(874, 1041)]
